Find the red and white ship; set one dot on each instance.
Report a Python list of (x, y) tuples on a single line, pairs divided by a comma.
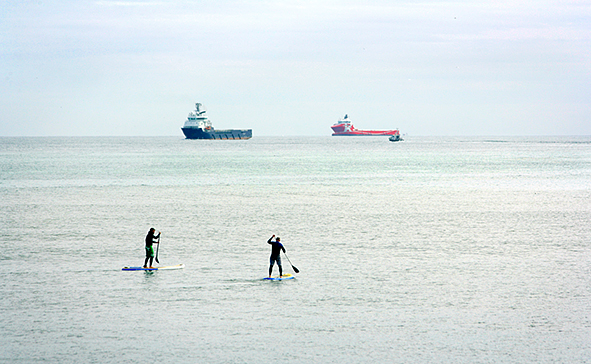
[(345, 127)]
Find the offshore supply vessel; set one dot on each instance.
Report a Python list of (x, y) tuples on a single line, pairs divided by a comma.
[(345, 127), (198, 126)]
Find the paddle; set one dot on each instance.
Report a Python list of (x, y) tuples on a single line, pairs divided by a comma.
[(292, 266), (158, 247)]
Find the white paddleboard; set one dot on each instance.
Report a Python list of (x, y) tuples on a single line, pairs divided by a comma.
[(169, 267)]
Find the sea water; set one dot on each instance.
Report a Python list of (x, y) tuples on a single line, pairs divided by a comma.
[(430, 250)]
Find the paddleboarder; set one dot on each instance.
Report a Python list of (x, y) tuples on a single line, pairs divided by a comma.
[(150, 239), (276, 248)]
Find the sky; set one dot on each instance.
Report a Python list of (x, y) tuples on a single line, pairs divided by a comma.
[(294, 67)]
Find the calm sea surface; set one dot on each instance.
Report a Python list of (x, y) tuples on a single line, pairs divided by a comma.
[(455, 250)]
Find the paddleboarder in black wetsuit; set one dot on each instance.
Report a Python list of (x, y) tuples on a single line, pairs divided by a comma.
[(149, 249), (276, 249)]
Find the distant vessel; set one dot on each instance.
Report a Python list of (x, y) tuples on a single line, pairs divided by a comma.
[(198, 126), (345, 127)]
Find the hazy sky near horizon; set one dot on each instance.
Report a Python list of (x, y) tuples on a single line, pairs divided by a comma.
[(134, 67)]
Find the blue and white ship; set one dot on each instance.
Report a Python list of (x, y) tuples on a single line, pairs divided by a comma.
[(198, 126)]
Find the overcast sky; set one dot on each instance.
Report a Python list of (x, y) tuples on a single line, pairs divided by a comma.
[(289, 67)]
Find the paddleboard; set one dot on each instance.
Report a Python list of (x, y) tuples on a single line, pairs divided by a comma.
[(277, 278), (178, 266)]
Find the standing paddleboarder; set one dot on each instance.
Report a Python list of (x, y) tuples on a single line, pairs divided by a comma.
[(150, 239), (276, 248)]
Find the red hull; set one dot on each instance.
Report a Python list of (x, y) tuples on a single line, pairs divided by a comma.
[(344, 127), (368, 132)]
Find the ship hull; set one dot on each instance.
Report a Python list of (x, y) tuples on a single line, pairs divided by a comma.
[(231, 134), (368, 132), (344, 127)]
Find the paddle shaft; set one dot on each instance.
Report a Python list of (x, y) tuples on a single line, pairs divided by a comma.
[(292, 266), (157, 248)]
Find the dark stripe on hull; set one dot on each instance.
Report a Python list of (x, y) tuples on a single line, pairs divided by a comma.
[(232, 134)]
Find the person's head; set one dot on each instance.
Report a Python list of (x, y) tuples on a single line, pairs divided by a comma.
[(152, 229), (278, 239)]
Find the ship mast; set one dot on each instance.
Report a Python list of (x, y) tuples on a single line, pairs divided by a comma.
[(198, 108)]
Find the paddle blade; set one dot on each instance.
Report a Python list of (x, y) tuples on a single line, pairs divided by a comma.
[(295, 269)]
